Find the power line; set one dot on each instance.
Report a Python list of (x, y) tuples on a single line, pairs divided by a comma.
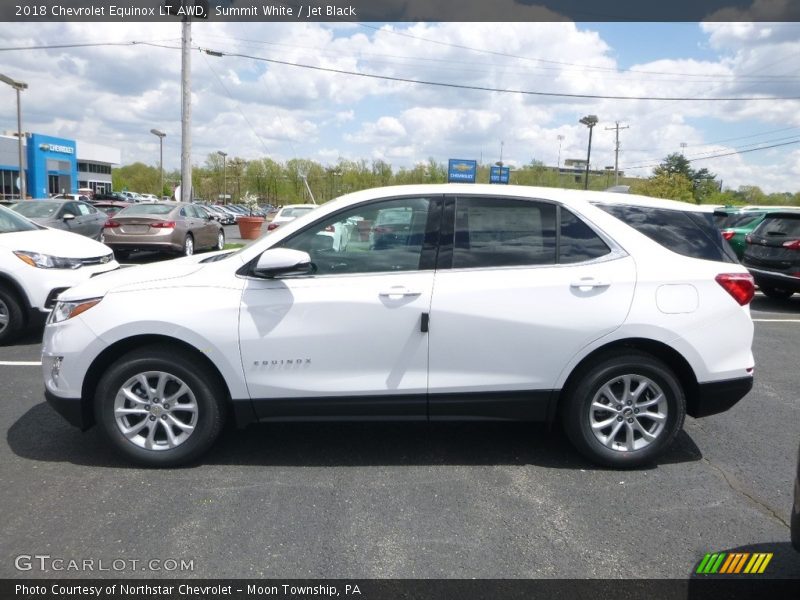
[(732, 153), (492, 89), (543, 60)]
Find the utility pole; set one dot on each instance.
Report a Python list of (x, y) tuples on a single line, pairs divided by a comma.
[(186, 111), (616, 150)]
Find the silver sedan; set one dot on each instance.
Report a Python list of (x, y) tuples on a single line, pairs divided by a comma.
[(163, 226)]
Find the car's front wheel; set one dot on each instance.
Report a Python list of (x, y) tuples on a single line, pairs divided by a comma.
[(11, 316), (624, 410), (157, 408)]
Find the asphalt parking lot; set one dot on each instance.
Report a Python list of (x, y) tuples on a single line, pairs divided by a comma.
[(406, 500)]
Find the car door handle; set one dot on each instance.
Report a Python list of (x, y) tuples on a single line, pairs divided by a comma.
[(589, 282), (400, 290)]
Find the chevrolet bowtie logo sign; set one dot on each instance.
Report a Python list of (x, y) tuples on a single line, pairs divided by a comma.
[(57, 148)]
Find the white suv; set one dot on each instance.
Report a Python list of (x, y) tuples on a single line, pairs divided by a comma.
[(36, 264), (615, 314)]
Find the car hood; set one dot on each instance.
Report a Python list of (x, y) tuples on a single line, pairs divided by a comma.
[(135, 278), (54, 242)]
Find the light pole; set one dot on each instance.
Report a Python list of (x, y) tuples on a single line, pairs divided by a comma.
[(224, 177), (590, 121), (18, 86), (560, 139), (161, 135)]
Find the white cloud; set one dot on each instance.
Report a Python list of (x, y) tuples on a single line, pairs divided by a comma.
[(248, 107)]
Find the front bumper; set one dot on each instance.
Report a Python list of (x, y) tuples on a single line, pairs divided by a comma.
[(718, 396), (74, 410)]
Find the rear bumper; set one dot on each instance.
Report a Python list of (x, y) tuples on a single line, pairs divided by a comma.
[(718, 396), (74, 410), (774, 279)]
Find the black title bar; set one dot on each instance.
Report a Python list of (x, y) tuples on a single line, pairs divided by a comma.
[(401, 10)]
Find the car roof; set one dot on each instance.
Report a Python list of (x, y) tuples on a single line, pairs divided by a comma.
[(565, 196)]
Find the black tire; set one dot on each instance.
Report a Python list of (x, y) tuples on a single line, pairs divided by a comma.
[(220, 240), (12, 319), (579, 413), (188, 245), (776, 293), (183, 368)]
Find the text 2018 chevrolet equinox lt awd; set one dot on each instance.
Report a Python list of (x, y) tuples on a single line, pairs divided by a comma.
[(615, 314)]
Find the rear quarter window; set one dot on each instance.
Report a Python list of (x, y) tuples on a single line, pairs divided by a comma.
[(691, 234)]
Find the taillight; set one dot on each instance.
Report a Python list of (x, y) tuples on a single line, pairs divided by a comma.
[(739, 285), (793, 245), (163, 225), (272, 226), (111, 224), (728, 234)]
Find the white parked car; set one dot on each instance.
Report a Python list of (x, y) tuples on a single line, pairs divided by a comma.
[(613, 313), (36, 264), (289, 213)]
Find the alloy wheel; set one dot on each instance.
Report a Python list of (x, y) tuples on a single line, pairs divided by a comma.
[(628, 412), (156, 410)]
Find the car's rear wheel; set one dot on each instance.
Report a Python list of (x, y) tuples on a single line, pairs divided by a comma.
[(158, 408), (220, 240), (188, 245), (11, 316), (776, 293), (624, 410)]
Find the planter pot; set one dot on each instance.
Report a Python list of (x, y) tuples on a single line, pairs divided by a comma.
[(250, 227)]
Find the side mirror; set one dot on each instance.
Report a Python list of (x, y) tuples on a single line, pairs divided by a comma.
[(68, 216), (283, 262)]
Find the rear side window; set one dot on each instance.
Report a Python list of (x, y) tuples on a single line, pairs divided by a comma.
[(503, 232), (577, 242), (688, 233)]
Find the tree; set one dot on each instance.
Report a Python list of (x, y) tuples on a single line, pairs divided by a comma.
[(673, 186), (703, 182)]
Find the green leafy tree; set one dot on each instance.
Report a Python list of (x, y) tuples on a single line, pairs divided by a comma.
[(673, 186)]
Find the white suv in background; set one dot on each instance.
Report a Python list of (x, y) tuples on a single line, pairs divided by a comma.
[(615, 314), (36, 264)]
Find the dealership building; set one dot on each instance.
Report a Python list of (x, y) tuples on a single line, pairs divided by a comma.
[(54, 165)]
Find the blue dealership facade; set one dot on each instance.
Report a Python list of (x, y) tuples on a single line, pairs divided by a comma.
[(54, 165)]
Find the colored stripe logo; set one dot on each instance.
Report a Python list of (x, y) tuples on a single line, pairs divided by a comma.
[(734, 563)]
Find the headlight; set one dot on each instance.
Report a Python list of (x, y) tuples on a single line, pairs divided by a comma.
[(45, 261), (69, 309)]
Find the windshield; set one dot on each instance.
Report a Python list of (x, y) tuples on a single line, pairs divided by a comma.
[(296, 212), (37, 209), (146, 209), (741, 220), (11, 222)]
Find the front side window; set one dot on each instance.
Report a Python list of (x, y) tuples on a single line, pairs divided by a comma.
[(377, 237), (503, 232)]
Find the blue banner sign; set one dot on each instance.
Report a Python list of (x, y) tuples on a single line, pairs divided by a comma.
[(499, 174), (462, 171)]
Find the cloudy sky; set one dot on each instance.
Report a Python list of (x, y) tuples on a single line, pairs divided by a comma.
[(249, 107)]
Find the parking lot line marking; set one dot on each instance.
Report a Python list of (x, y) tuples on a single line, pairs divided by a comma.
[(776, 320), (20, 363)]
